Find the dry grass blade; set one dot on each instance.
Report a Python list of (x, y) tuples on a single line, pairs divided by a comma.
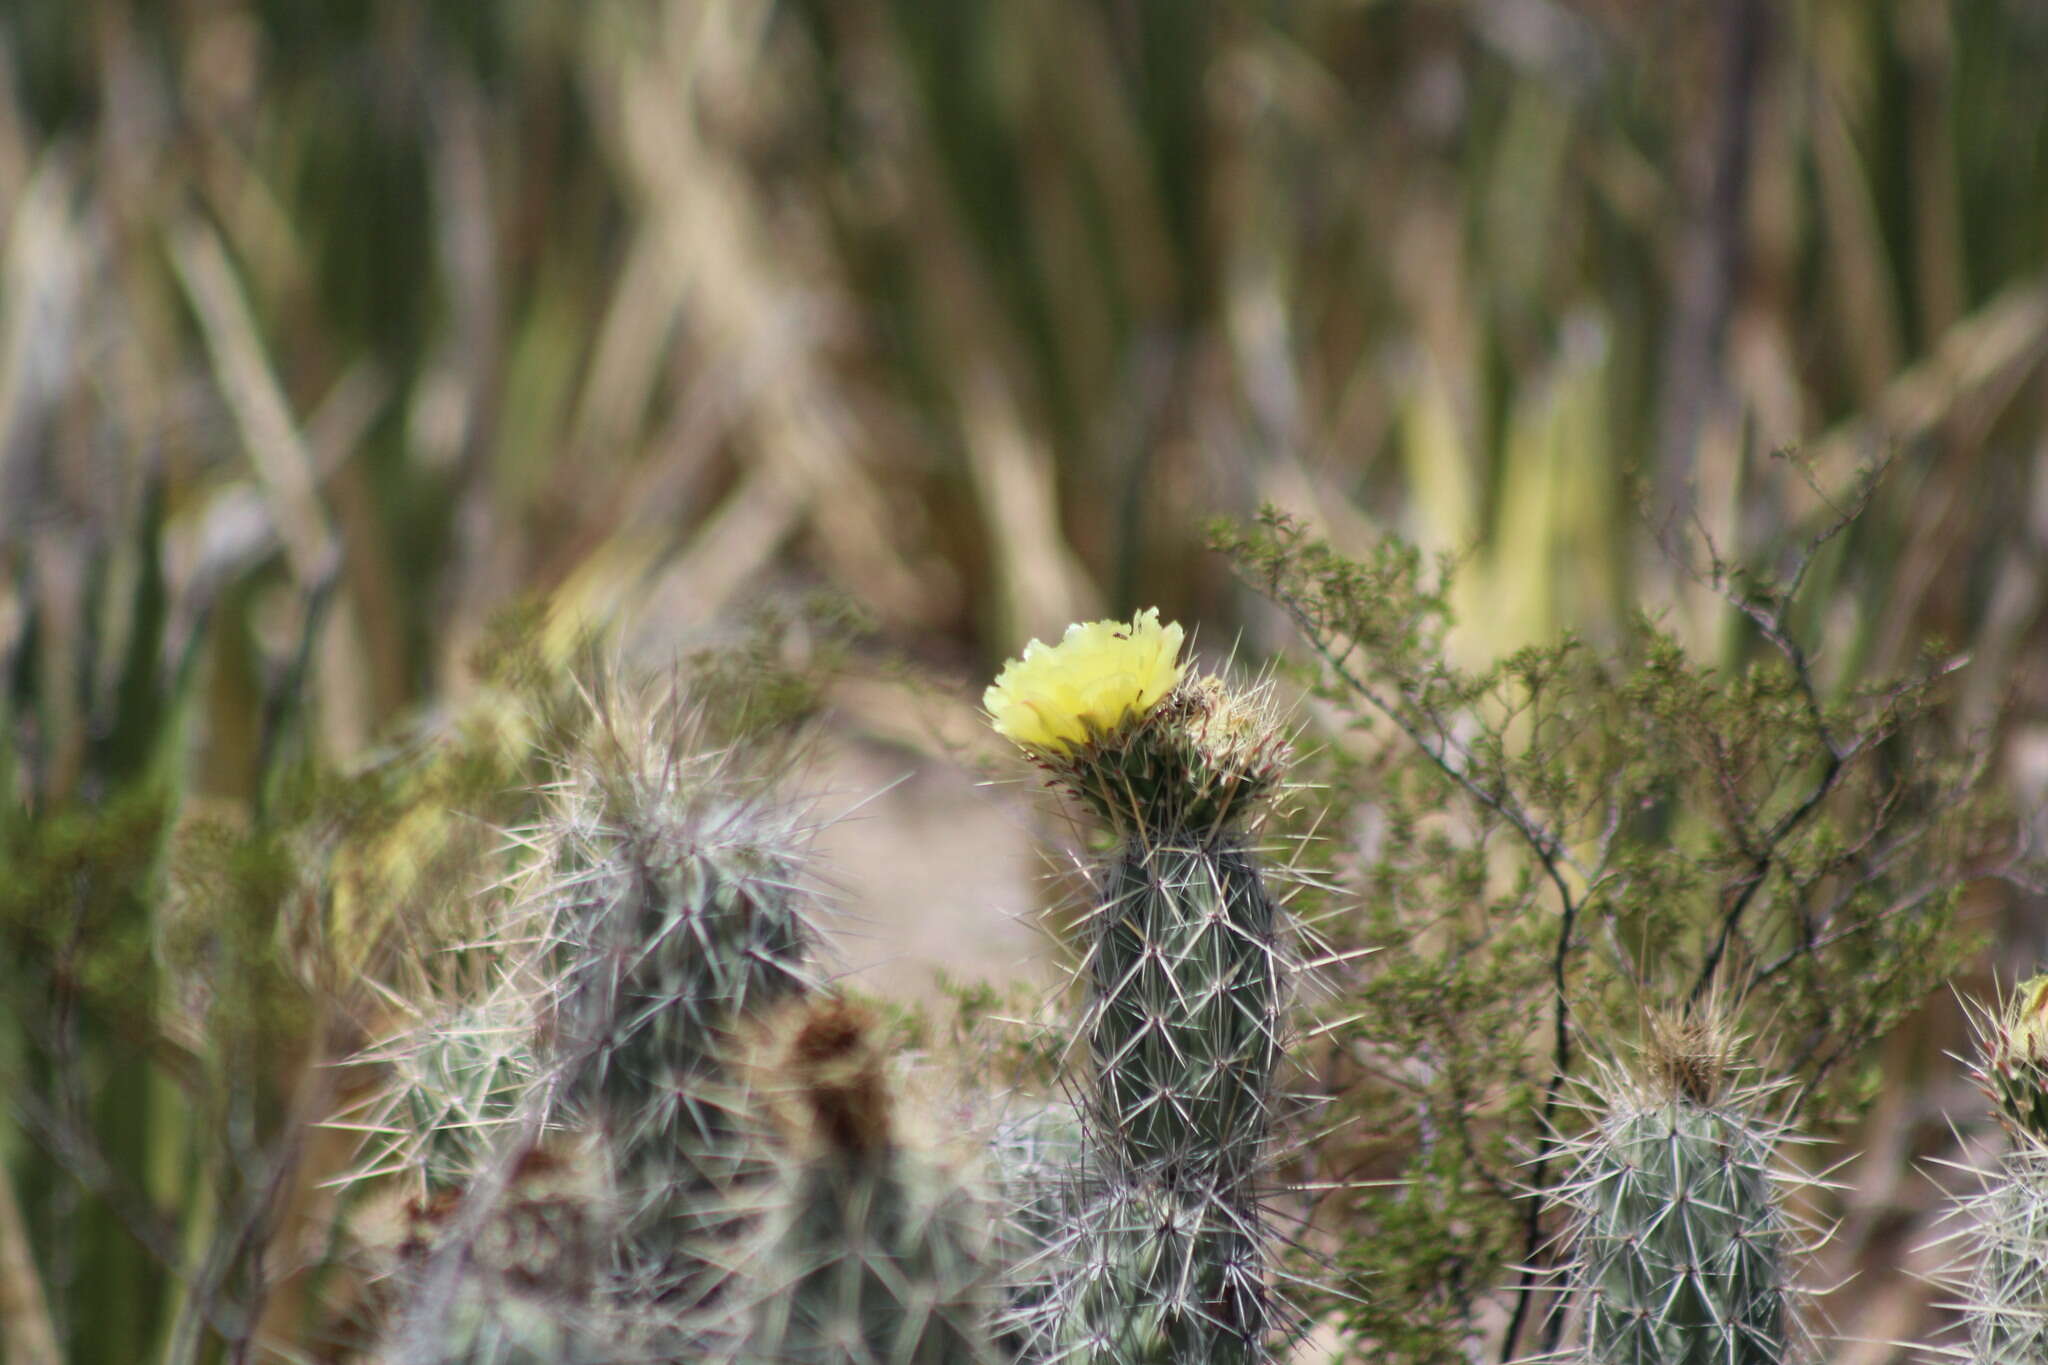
[(25, 1326), (1040, 582), (2009, 331), (47, 263), (248, 382)]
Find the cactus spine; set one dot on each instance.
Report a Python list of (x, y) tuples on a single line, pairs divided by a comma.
[(875, 1252), (2005, 1297), (1681, 1243), (2002, 1291), (453, 1085), (676, 914), (1185, 976)]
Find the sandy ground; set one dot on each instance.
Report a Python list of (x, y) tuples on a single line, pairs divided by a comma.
[(936, 870)]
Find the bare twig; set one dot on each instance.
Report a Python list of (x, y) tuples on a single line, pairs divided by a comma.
[(1555, 858)]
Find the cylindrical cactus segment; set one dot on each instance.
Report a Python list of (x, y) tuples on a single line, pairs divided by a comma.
[(875, 1251), (1681, 1248), (1681, 1252), (2005, 1298), (676, 937), (1185, 980), (677, 913), (1184, 1008), (678, 931), (679, 942), (1163, 1276)]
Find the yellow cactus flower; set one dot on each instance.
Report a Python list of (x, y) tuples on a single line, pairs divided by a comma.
[(1099, 676)]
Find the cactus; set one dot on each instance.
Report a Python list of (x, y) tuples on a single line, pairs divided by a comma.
[(1160, 1272), (2000, 1283), (875, 1252), (1681, 1246), (1183, 1026), (1185, 974), (663, 915), (676, 913), (453, 1084), (2004, 1295), (1184, 1007), (2013, 1059), (1042, 1185)]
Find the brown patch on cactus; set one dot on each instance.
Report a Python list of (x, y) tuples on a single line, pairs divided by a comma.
[(540, 1236), (828, 1073), (1691, 1051)]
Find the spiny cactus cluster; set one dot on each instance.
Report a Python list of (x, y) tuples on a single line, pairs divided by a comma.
[(665, 916), (1680, 1244), (657, 1139), (656, 1136), (661, 1139)]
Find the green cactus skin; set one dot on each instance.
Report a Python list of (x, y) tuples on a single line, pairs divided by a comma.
[(1681, 1245), (2003, 1297), (1184, 1015), (678, 914), (454, 1086), (1162, 1276)]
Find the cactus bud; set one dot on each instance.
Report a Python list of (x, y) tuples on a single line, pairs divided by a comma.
[(2015, 1068)]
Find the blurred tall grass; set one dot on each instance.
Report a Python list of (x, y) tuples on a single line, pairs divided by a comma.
[(330, 332)]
